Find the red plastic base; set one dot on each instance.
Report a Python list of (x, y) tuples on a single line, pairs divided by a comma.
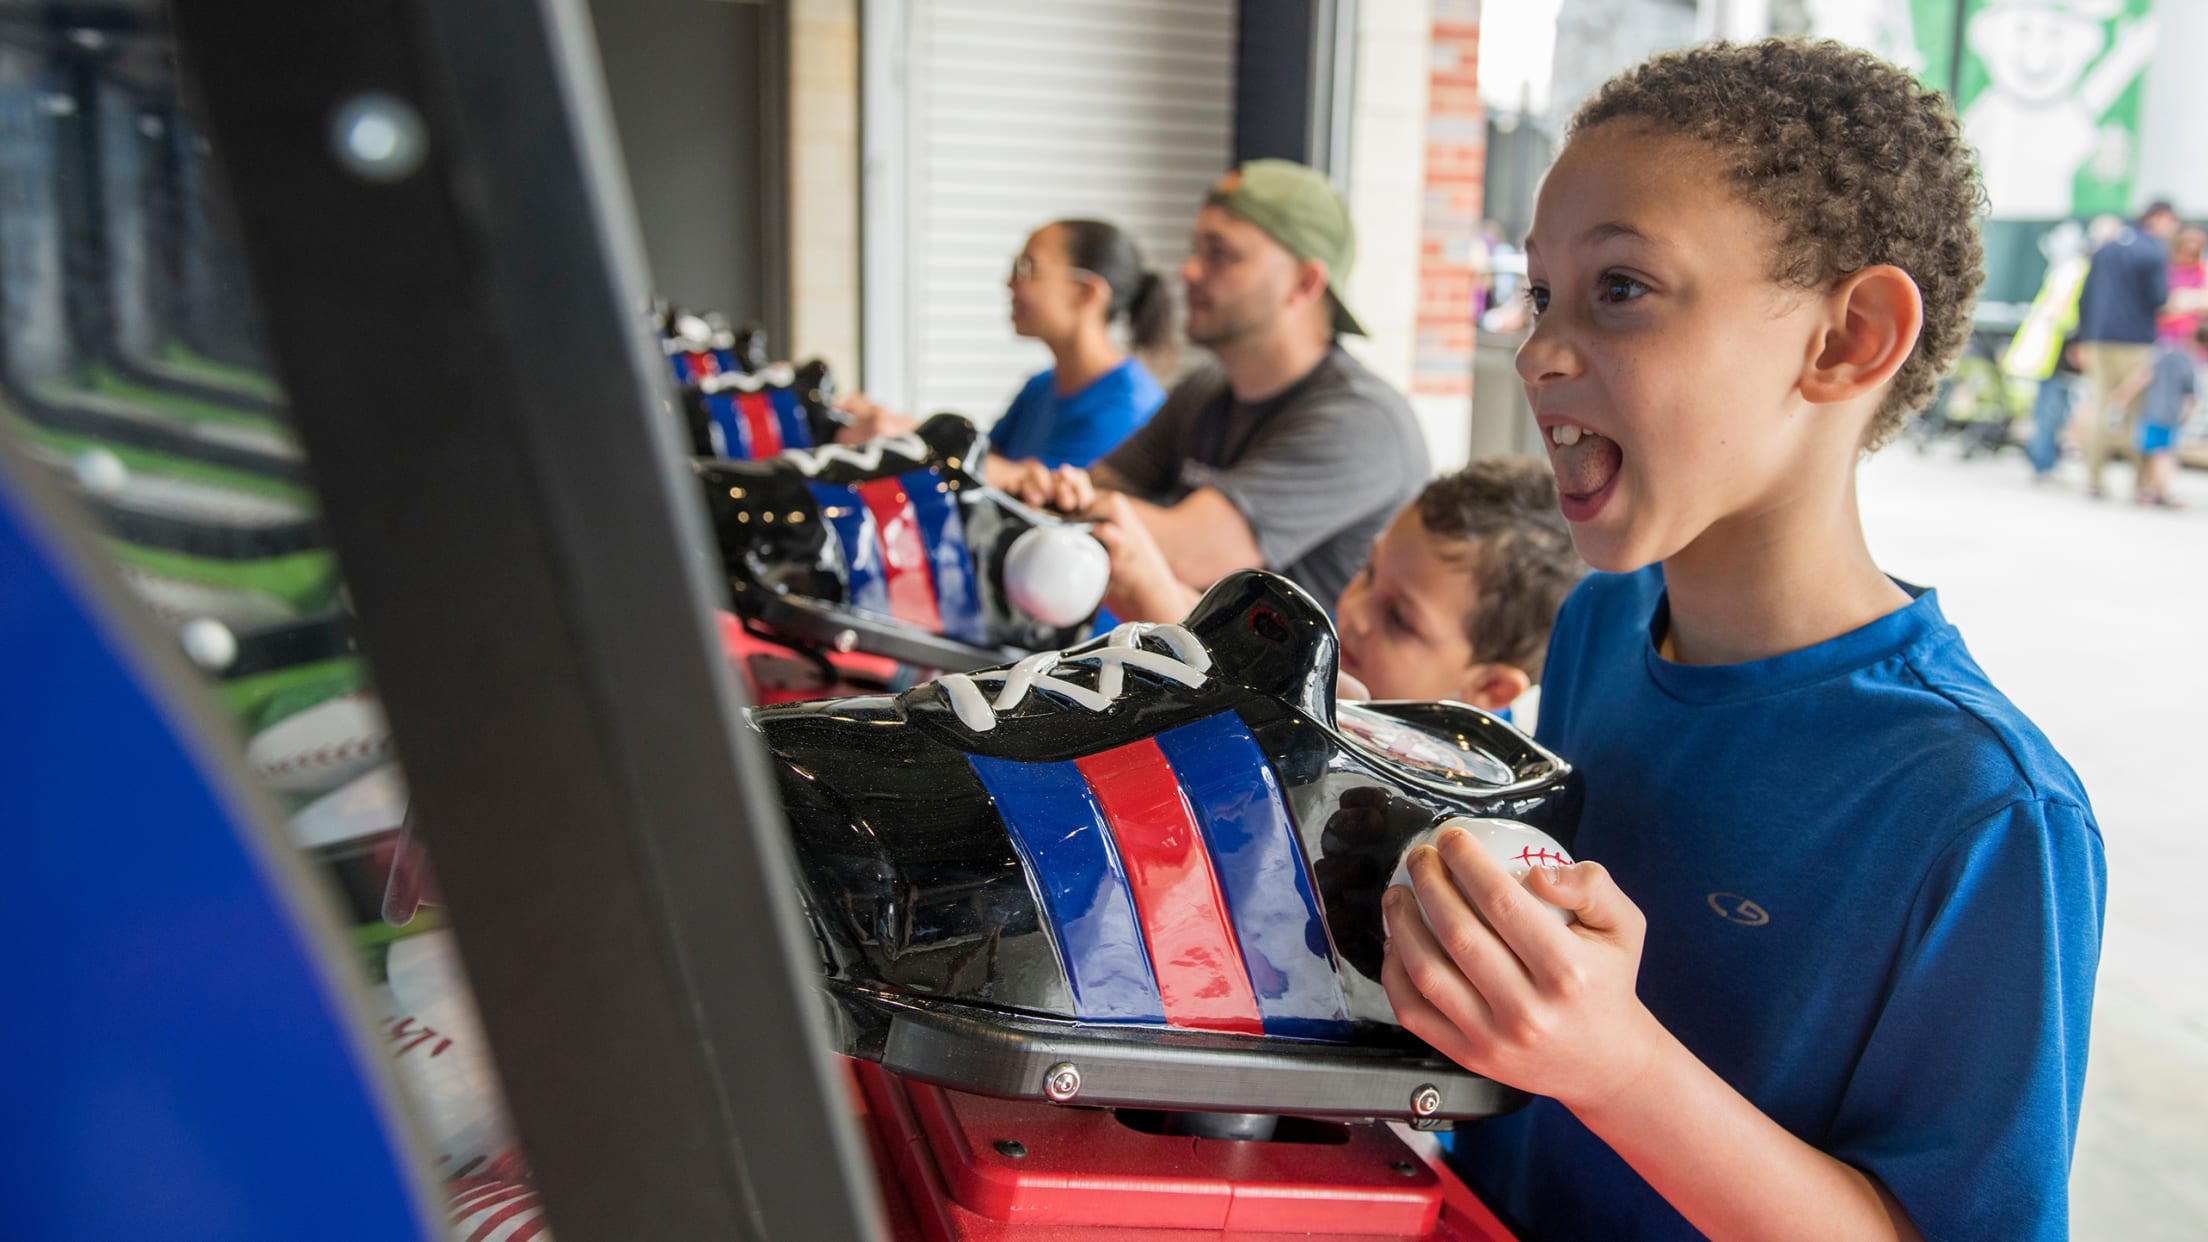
[(965, 1168), (777, 674)]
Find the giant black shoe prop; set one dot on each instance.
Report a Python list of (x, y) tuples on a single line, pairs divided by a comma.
[(1144, 870), (735, 403), (898, 548)]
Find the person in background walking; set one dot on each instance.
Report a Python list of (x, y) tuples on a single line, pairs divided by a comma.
[(2181, 316), (2041, 352), (2125, 289)]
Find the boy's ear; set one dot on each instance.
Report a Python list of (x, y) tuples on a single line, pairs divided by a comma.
[(1872, 323), (1491, 687)]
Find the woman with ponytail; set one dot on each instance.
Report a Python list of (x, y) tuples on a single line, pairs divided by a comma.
[(1072, 281)]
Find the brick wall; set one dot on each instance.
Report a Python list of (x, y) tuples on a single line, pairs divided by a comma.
[(1456, 150)]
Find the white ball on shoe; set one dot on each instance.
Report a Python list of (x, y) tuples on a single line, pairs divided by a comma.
[(101, 472), (1519, 847), (209, 643), (1057, 574)]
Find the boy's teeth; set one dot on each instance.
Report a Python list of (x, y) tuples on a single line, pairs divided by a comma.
[(1565, 434)]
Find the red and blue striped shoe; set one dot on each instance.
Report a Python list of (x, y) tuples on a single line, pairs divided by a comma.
[(895, 547), (752, 415), (1145, 870)]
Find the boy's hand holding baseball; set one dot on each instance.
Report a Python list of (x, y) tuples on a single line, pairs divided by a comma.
[(1521, 997)]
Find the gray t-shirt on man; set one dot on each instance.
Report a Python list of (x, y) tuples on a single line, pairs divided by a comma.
[(1317, 470)]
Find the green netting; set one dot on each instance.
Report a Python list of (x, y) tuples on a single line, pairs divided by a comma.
[(166, 464), (305, 580), (183, 359), (262, 699), (109, 384)]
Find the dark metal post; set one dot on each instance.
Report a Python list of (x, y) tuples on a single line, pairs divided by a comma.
[(458, 325), (1292, 78)]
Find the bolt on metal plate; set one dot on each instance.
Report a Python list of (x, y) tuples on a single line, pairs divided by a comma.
[(1062, 1082), (1426, 1101)]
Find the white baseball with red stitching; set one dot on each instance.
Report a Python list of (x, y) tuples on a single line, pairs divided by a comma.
[(322, 747), (430, 1028), (493, 1209), (1519, 847)]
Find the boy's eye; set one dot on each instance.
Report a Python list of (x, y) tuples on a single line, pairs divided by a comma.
[(1537, 297), (1619, 287)]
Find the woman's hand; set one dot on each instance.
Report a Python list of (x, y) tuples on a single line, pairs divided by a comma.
[(1067, 489), (870, 420)]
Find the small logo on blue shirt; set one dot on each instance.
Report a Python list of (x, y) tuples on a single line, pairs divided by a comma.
[(1734, 908)]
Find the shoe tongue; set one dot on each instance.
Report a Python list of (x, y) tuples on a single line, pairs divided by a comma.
[(955, 445), (1265, 632)]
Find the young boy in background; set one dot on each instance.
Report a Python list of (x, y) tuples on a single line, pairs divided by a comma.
[(1833, 974), (1457, 597), (1454, 602)]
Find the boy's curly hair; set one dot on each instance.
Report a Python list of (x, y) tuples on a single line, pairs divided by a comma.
[(1856, 162), (1503, 512)]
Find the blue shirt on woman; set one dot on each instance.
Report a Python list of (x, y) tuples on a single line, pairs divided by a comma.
[(1874, 898), (1078, 428)]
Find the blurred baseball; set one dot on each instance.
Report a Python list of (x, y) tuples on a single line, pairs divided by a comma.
[(322, 747), (1057, 574), (209, 643), (101, 472), (1519, 847)]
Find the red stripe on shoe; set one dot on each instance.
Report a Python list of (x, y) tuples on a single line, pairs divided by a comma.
[(1199, 967), (905, 568), (759, 420)]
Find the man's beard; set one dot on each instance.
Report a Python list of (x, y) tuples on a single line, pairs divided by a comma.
[(1220, 327)]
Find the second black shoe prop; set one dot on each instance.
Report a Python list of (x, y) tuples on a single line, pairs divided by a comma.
[(897, 547), (1144, 870)]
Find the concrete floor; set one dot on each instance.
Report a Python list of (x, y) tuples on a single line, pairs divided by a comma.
[(2093, 617)]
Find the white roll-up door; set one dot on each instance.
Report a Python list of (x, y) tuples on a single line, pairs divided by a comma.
[(1024, 111)]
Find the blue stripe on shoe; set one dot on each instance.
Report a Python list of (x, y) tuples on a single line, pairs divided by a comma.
[(943, 531), (735, 432), (1259, 861), (1060, 833), (789, 414), (864, 576)]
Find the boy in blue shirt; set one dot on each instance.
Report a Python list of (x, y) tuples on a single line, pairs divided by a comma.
[(1832, 975)]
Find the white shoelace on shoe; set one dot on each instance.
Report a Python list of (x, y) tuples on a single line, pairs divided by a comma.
[(866, 457), (1121, 648)]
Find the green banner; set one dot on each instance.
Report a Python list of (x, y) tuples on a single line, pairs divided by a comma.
[(2049, 94)]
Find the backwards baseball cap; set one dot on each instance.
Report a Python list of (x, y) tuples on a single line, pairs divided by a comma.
[(1298, 208)]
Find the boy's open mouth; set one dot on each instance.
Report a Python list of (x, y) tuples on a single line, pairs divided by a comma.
[(1586, 465)]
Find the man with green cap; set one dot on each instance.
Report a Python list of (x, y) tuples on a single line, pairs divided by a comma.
[(1285, 453)]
